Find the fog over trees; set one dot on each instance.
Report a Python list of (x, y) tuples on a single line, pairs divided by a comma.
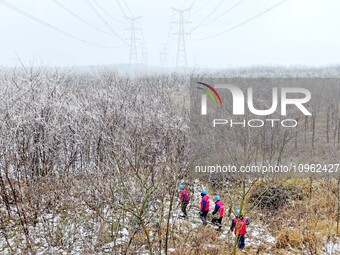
[(90, 163)]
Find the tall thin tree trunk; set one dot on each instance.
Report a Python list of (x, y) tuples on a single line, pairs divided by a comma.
[(168, 221), (338, 211), (243, 188)]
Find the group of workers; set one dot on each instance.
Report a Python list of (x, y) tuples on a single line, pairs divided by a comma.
[(238, 224)]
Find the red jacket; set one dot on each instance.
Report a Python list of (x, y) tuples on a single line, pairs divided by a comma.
[(240, 226), (184, 196), (220, 207), (205, 203)]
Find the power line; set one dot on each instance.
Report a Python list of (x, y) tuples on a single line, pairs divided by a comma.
[(121, 8), (191, 5), (244, 22), (26, 14), (201, 8), (127, 7), (106, 12), (210, 13), (221, 15), (80, 18), (183, 3), (93, 8)]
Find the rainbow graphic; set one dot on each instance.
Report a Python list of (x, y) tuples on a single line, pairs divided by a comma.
[(208, 91)]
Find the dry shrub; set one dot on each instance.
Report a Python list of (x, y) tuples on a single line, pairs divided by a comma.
[(311, 242), (312, 235), (271, 197), (201, 241), (288, 238)]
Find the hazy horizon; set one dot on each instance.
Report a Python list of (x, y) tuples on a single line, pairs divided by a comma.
[(296, 33)]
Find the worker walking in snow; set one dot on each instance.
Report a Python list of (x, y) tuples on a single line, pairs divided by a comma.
[(239, 226), (218, 212), (184, 199), (204, 208)]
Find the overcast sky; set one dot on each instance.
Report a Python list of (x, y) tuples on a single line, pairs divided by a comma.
[(297, 32)]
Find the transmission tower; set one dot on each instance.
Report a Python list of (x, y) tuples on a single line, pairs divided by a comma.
[(164, 55), (181, 59), (144, 53), (134, 37)]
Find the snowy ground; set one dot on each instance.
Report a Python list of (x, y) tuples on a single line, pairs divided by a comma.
[(79, 234)]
